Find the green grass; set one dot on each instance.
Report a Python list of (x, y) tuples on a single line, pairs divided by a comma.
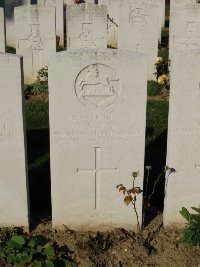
[(157, 118), (37, 116), (167, 7)]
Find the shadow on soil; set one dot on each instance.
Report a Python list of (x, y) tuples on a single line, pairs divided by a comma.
[(155, 156), (39, 176)]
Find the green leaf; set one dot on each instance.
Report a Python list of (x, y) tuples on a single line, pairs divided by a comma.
[(11, 258), (39, 249), (24, 258), (196, 218), (185, 213), (37, 264), (49, 263), (196, 209), (49, 251), (31, 242), (18, 239)]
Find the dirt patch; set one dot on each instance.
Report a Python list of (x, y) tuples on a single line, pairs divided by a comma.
[(119, 248), (44, 97), (162, 96)]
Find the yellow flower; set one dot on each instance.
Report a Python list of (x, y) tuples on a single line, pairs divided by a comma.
[(36, 79), (159, 60), (161, 80), (165, 77)]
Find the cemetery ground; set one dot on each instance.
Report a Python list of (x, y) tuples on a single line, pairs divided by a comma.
[(112, 248)]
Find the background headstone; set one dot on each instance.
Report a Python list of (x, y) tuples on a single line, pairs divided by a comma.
[(71, 2), (114, 9), (86, 26), (9, 16), (97, 133), (13, 178), (184, 27), (183, 152), (112, 21), (58, 4), (35, 37), (2, 31), (138, 30)]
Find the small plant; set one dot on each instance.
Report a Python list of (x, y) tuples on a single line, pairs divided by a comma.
[(40, 86), (162, 72), (131, 197), (16, 249), (153, 88), (191, 235)]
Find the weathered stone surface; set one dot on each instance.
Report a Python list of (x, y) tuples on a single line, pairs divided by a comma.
[(97, 133), (35, 37), (2, 31), (114, 10), (184, 27), (13, 183), (183, 153), (9, 16), (139, 30), (59, 5), (86, 26)]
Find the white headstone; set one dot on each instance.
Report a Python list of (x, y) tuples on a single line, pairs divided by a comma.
[(59, 5), (9, 16), (184, 27), (2, 31), (183, 152), (86, 26), (114, 10), (35, 37), (13, 178), (138, 30), (72, 2), (97, 118), (112, 21)]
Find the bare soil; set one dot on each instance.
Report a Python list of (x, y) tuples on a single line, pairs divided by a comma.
[(119, 248), (162, 96)]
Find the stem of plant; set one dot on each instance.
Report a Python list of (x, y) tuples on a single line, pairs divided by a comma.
[(154, 186)]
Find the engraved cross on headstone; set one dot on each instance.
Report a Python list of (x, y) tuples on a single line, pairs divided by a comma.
[(86, 38), (34, 42), (97, 171), (137, 46)]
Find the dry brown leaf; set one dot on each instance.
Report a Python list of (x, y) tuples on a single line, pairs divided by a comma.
[(128, 200)]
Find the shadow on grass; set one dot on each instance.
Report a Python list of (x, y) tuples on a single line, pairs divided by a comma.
[(39, 176), (155, 156)]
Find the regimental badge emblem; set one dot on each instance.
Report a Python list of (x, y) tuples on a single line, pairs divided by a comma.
[(97, 85), (138, 17)]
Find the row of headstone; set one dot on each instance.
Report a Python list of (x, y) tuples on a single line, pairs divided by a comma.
[(35, 32), (97, 137), (113, 16), (97, 130)]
